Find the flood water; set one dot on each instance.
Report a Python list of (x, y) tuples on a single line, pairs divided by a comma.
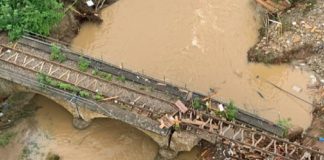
[(200, 44), (105, 139)]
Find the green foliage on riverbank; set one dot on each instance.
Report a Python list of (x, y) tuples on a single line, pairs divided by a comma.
[(37, 16), (5, 138)]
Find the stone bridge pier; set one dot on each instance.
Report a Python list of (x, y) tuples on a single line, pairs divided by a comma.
[(169, 145)]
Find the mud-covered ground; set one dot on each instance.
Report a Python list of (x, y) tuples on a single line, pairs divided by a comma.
[(76, 14)]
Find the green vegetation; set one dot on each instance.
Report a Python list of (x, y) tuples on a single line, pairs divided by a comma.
[(56, 54), (83, 64), (25, 153), (68, 87), (198, 104), (5, 138), (231, 111), (37, 16), (84, 94), (98, 97), (285, 124), (52, 156), (104, 75), (44, 80), (121, 78)]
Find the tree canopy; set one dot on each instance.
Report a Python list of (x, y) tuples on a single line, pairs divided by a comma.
[(37, 16)]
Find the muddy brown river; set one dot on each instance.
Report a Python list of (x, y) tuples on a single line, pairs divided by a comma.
[(200, 44)]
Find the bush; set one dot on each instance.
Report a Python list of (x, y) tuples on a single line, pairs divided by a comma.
[(84, 94), (44, 79), (231, 111), (37, 16), (104, 75), (121, 78), (285, 124), (98, 97), (56, 54), (83, 64), (198, 104), (5, 138)]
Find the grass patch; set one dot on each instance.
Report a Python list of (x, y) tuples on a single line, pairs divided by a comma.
[(104, 75), (198, 104), (45, 80), (98, 97), (84, 94), (231, 111), (56, 54), (25, 153), (285, 124), (83, 64), (52, 156), (121, 78), (5, 138)]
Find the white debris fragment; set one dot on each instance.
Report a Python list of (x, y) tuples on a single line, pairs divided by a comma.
[(221, 107), (294, 23), (322, 80), (90, 3), (313, 79), (297, 89)]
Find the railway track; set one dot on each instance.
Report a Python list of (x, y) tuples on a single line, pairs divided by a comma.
[(246, 142), (42, 44), (142, 103)]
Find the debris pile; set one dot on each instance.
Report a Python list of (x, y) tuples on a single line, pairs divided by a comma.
[(294, 34)]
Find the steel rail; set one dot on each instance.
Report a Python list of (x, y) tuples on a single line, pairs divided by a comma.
[(94, 77), (89, 90)]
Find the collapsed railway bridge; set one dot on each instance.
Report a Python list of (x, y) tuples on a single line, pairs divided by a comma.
[(140, 101)]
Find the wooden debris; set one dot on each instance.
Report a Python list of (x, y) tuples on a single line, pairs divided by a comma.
[(181, 106), (209, 97), (109, 98), (166, 121), (199, 123), (274, 7)]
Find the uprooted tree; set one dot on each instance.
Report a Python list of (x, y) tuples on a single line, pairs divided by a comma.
[(38, 16)]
